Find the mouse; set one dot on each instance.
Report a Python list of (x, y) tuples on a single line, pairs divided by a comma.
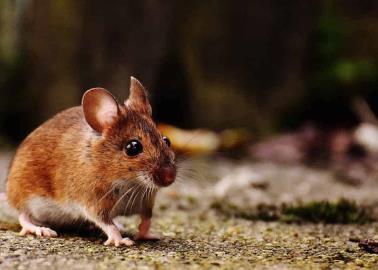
[(92, 163)]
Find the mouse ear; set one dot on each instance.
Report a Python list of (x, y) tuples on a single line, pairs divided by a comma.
[(138, 98), (100, 108)]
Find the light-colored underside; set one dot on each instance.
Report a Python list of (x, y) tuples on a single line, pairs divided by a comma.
[(45, 211)]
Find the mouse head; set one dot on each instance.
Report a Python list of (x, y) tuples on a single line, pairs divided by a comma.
[(126, 143)]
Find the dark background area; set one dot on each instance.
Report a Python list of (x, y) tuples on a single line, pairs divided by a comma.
[(266, 66)]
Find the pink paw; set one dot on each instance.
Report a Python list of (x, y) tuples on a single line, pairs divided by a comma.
[(39, 231), (119, 241), (147, 237)]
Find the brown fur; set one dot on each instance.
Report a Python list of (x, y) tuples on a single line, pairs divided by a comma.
[(65, 160)]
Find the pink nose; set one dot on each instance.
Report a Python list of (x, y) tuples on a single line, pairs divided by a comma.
[(165, 176)]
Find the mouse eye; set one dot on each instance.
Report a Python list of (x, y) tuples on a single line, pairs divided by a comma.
[(133, 148), (167, 141)]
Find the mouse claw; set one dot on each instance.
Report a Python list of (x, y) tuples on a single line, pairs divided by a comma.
[(127, 241), (48, 232), (38, 231)]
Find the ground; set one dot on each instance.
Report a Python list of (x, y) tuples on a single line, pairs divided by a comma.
[(197, 232)]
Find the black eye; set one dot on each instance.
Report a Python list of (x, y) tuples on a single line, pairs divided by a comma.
[(167, 141), (133, 148)]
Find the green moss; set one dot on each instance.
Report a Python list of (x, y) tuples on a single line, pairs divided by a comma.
[(260, 212), (342, 211)]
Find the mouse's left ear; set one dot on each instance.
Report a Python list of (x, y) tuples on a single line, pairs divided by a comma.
[(138, 98), (100, 108)]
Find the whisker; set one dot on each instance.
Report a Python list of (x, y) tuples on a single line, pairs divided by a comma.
[(120, 199), (142, 199), (190, 176), (107, 193), (133, 196), (136, 196), (149, 194)]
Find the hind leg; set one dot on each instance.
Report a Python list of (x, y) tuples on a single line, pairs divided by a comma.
[(29, 228)]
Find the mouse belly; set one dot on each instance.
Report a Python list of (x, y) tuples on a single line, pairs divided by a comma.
[(47, 211)]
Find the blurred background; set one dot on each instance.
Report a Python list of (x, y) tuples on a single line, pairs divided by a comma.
[(278, 82), (271, 105), (266, 67)]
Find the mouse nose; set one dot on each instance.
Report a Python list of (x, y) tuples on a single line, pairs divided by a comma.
[(164, 176)]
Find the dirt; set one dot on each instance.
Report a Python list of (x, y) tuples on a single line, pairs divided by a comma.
[(196, 235)]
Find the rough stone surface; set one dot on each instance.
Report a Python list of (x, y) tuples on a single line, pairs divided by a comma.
[(194, 236)]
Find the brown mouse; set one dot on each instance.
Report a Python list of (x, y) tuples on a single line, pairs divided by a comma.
[(92, 163)]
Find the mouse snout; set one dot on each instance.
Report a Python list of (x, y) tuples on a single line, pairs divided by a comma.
[(165, 175)]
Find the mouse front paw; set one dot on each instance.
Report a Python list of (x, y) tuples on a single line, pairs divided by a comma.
[(119, 241), (147, 237)]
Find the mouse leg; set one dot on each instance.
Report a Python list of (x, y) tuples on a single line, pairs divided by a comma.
[(115, 237), (144, 230), (119, 225), (29, 228), (112, 232)]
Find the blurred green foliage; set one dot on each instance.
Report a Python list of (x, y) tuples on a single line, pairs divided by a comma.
[(262, 66), (340, 67)]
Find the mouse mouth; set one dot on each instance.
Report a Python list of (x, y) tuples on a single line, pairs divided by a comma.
[(161, 183), (164, 176)]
